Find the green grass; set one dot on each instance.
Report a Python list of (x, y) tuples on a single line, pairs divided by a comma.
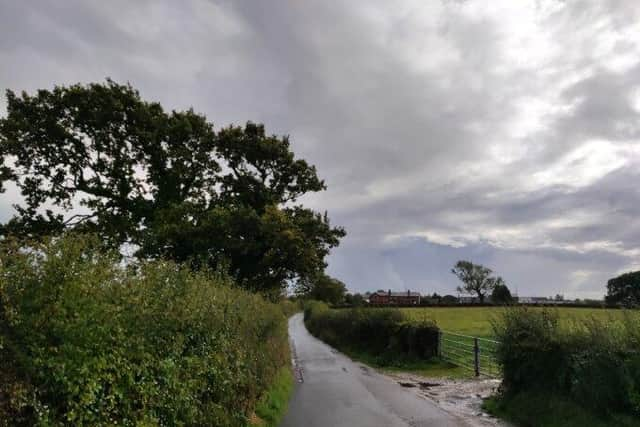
[(273, 405), (476, 321), (434, 368), (544, 410)]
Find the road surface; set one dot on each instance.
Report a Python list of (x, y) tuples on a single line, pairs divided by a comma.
[(334, 391)]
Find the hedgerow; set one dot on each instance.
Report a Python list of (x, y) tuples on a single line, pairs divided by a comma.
[(594, 364), (385, 333), (290, 307), (86, 340)]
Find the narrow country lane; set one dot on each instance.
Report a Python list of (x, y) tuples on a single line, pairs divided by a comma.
[(334, 391)]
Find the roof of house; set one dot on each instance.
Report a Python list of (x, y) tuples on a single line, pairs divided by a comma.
[(397, 294)]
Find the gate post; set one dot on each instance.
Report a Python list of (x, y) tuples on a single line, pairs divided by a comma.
[(476, 356)]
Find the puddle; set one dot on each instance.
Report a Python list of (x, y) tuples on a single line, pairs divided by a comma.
[(407, 385), (424, 384), (462, 398), (365, 370)]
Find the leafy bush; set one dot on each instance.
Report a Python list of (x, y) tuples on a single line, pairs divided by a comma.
[(535, 409), (313, 308), (87, 341), (594, 364), (383, 332), (530, 350), (290, 307)]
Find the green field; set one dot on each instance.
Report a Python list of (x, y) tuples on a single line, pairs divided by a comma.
[(476, 321)]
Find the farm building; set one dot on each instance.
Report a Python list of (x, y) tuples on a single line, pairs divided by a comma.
[(394, 298)]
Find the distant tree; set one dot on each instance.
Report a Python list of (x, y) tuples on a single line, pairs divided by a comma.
[(164, 183), (501, 294), (449, 299), (624, 290), (355, 300), (358, 300), (323, 287), (348, 298), (559, 297), (477, 279)]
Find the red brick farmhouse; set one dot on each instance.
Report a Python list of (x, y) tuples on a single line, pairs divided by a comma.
[(394, 298)]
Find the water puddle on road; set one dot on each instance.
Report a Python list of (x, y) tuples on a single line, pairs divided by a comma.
[(462, 398), (407, 385), (422, 384)]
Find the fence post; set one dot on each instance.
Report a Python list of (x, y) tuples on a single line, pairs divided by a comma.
[(439, 343), (476, 356)]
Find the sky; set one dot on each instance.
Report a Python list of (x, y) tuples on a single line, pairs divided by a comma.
[(502, 132)]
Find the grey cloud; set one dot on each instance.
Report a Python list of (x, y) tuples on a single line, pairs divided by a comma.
[(420, 116)]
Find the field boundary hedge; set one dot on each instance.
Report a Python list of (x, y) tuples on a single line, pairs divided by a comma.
[(593, 364), (427, 305), (85, 340), (384, 333)]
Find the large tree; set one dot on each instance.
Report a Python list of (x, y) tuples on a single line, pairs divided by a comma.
[(322, 287), (477, 279), (97, 158), (624, 289)]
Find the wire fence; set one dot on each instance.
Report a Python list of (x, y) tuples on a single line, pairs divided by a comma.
[(473, 353)]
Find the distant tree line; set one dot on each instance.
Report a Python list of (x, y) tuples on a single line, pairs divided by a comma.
[(480, 282)]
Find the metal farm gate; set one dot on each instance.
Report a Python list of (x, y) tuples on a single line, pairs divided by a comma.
[(473, 353)]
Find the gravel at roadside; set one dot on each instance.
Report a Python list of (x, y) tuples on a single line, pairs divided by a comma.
[(460, 397)]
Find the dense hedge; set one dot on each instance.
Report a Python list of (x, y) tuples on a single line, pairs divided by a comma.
[(594, 364), (383, 332), (85, 340), (290, 307)]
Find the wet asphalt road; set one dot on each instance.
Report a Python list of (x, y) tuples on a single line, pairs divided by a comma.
[(334, 391)]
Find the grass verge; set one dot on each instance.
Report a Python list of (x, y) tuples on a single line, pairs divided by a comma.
[(273, 404), (432, 368), (544, 410)]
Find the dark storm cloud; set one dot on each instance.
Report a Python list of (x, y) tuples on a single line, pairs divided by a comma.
[(502, 132)]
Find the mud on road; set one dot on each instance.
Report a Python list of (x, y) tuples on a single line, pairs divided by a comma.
[(462, 398)]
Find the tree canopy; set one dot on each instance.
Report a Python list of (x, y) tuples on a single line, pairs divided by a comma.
[(624, 289), (477, 279), (97, 158), (501, 294), (322, 287), (354, 300)]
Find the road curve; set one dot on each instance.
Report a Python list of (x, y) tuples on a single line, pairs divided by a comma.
[(334, 391)]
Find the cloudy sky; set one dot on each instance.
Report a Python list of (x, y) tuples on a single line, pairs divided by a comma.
[(503, 132)]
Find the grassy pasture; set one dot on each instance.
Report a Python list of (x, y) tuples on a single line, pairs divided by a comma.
[(476, 321)]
